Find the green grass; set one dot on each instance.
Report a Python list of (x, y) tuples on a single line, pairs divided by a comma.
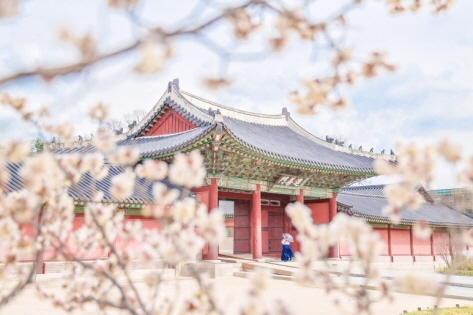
[(466, 310), (468, 273), (464, 273), (463, 264)]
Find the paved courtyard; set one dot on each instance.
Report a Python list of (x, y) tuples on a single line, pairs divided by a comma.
[(232, 290)]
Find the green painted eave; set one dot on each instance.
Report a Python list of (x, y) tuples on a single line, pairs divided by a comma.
[(244, 150), (265, 186)]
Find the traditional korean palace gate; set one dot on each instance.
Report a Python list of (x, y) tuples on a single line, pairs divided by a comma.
[(264, 162)]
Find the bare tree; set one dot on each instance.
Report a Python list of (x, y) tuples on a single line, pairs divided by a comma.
[(449, 248), (115, 125), (134, 116)]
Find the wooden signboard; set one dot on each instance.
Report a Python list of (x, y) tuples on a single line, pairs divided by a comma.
[(290, 181)]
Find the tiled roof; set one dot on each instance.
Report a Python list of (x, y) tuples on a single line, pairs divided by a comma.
[(151, 146), (155, 145), (369, 190), (142, 192), (275, 136), (282, 142), (83, 190), (366, 202)]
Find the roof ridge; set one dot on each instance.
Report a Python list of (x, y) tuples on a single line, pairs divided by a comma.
[(278, 120), (172, 134), (363, 195), (281, 117), (364, 186), (168, 100)]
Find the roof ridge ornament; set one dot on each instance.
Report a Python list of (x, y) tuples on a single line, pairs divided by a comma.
[(218, 117), (286, 113), (175, 83)]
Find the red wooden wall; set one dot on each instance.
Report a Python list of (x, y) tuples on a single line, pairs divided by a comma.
[(170, 122), (400, 242), (439, 240), (383, 235), (320, 210), (421, 247)]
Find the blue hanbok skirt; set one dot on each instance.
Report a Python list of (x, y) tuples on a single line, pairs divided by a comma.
[(286, 253)]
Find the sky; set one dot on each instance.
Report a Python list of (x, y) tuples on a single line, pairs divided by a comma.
[(429, 97)]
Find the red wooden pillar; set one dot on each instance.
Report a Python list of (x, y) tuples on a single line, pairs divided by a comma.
[(332, 212), (256, 241), (432, 246), (411, 243), (213, 203), (390, 253), (40, 263), (40, 266), (300, 196)]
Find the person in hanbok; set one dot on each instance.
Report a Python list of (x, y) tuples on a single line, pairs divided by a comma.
[(286, 253)]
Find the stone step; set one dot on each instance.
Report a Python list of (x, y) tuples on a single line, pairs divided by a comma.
[(246, 274)]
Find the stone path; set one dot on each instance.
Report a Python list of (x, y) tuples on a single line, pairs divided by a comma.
[(232, 291)]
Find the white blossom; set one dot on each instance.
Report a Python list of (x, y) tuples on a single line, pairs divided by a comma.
[(104, 140), (300, 215), (164, 196), (15, 151), (449, 151), (468, 237), (187, 170), (152, 169), (99, 112), (421, 230), (122, 185), (91, 161), (213, 229), (393, 213), (124, 155), (416, 283)]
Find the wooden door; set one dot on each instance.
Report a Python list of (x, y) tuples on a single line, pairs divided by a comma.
[(242, 231), (275, 230)]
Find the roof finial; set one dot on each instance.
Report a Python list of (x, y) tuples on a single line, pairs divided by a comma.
[(175, 82), (286, 113), (218, 117)]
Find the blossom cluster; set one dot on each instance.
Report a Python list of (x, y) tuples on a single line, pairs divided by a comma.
[(39, 215), (415, 166), (316, 241)]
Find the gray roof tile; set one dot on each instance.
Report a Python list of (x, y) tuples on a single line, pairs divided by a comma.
[(84, 189), (284, 143), (368, 201), (150, 146)]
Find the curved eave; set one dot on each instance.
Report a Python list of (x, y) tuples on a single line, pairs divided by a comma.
[(275, 120), (385, 220), (250, 150), (178, 146), (204, 140)]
